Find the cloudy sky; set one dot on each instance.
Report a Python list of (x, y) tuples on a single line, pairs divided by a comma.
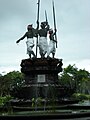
[(73, 30)]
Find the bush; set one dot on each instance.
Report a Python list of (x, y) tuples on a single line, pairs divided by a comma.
[(4, 100), (80, 96)]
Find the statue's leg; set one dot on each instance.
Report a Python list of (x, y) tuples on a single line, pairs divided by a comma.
[(42, 55), (53, 54), (30, 55), (33, 54)]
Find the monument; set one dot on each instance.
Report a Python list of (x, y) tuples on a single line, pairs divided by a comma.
[(41, 79), (41, 74)]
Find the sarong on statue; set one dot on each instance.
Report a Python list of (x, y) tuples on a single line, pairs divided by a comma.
[(43, 45), (30, 45), (51, 47)]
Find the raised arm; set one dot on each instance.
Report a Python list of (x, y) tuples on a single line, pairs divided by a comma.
[(21, 38)]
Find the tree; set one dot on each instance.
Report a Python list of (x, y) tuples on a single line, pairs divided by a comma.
[(8, 81), (68, 76), (74, 78), (83, 78)]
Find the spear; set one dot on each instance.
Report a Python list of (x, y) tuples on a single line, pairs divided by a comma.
[(46, 16), (54, 22), (37, 24)]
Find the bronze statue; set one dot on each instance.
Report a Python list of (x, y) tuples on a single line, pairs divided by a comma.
[(51, 46), (30, 41), (52, 36), (43, 44), (41, 35)]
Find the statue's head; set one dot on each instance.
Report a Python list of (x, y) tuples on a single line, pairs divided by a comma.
[(43, 24), (50, 31), (29, 27)]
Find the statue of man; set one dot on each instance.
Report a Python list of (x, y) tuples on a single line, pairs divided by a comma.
[(43, 44), (30, 41), (51, 47)]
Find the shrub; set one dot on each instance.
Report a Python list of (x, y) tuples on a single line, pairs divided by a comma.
[(80, 96)]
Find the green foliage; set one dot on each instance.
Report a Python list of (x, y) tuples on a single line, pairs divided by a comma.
[(14, 75), (17, 82), (80, 96), (67, 78), (39, 101), (9, 81), (71, 69), (6, 105), (75, 79), (4, 100)]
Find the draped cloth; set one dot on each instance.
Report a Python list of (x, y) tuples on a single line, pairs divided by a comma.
[(30, 45), (51, 47), (43, 45)]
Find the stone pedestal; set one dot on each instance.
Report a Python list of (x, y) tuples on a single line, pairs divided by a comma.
[(41, 78)]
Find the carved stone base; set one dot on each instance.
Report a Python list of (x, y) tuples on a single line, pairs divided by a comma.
[(41, 78)]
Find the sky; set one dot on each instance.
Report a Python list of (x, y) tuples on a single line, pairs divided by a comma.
[(73, 31)]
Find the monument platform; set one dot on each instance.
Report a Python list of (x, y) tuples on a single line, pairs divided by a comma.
[(41, 79), (41, 66)]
